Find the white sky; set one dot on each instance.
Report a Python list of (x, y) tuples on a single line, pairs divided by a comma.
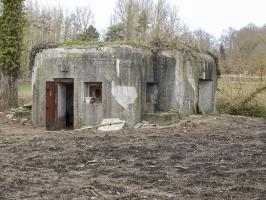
[(213, 16)]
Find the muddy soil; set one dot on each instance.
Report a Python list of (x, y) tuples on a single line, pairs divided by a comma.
[(213, 157)]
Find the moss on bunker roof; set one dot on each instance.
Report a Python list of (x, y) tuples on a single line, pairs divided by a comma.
[(102, 44), (153, 48), (97, 44)]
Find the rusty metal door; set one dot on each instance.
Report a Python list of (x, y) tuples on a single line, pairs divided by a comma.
[(50, 105)]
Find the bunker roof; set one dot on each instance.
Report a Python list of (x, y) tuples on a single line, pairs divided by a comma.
[(147, 48)]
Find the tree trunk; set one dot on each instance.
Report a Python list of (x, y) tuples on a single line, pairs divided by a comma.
[(8, 92)]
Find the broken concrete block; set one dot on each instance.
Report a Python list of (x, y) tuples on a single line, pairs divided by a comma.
[(149, 126), (13, 109), (139, 125), (9, 116), (24, 121), (28, 105), (114, 124)]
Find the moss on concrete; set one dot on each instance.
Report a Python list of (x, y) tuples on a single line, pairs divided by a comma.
[(23, 114), (162, 118), (102, 44)]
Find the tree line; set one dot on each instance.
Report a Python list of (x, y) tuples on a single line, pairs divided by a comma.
[(239, 51), (146, 21), (243, 51), (132, 20)]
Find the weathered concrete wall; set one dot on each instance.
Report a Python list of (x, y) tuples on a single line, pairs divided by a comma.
[(178, 83), (118, 68), (124, 72)]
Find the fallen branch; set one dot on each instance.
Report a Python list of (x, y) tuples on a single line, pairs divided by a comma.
[(219, 90), (252, 95)]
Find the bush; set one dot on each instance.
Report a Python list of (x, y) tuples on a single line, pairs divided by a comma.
[(252, 110)]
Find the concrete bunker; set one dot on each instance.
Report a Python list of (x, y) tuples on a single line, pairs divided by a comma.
[(85, 85)]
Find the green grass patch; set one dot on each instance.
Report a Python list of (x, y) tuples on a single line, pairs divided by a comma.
[(24, 90), (251, 110)]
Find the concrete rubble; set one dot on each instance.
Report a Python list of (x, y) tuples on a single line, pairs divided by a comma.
[(145, 124), (20, 114), (114, 124)]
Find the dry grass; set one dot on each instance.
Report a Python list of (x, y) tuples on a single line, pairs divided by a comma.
[(233, 89)]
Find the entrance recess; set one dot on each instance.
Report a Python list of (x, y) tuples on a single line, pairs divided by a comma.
[(206, 100), (59, 104)]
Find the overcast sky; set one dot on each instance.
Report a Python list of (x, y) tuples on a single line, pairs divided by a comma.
[(212, 16)]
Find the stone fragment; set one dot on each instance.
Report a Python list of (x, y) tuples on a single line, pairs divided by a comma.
[(112, 124)]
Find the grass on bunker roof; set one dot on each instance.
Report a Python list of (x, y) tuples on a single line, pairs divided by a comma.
[(102, 43)]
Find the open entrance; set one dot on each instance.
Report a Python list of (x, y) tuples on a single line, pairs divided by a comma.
[(59, 104)]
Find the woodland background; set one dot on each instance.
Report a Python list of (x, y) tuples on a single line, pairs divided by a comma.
[(241, 53)]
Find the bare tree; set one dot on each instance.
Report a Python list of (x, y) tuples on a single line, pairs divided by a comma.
[(145, 20), (52, 24), (126, 14), (203, 40), (244, 49), (83, 18), (160, 17)]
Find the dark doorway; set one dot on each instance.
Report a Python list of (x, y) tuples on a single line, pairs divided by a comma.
[(69, 105), (151, 97), (60, 104)]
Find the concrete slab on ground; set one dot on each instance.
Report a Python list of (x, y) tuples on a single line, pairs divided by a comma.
[(112, 124)]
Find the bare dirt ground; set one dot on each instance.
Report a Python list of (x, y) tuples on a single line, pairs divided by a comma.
[(214, 157)]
